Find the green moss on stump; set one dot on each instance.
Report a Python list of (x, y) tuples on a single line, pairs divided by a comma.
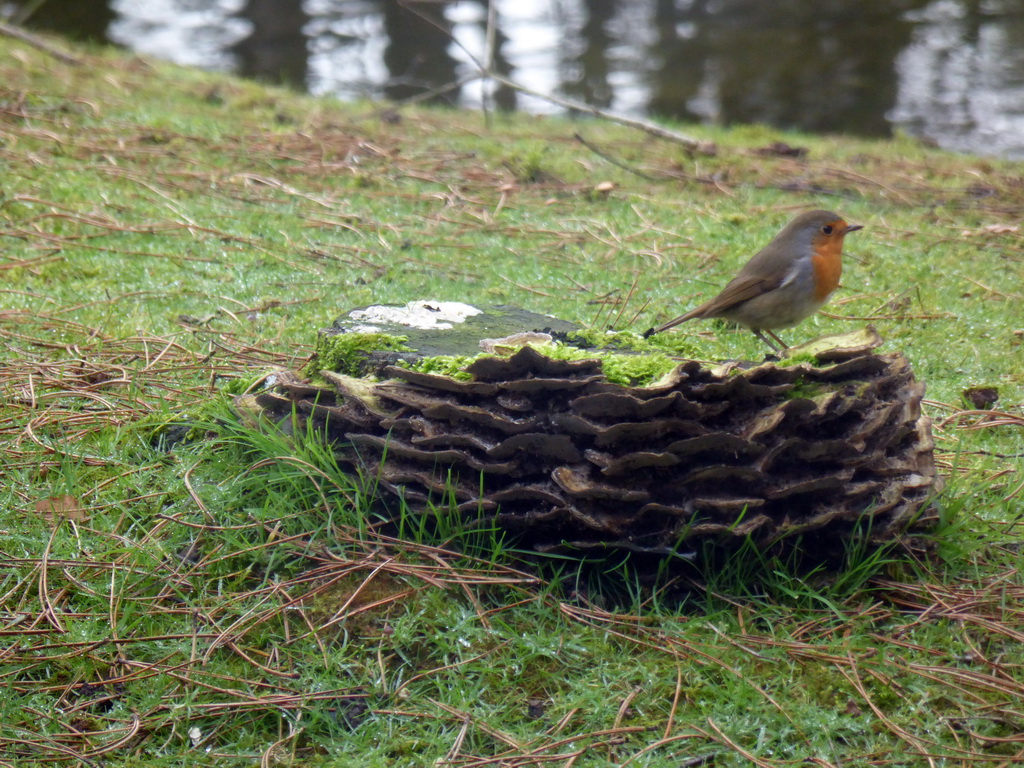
[(347, 353)]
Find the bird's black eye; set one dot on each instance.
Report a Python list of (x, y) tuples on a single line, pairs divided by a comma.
[(827, 229)]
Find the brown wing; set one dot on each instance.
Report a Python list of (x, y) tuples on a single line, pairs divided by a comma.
[(740, 289)]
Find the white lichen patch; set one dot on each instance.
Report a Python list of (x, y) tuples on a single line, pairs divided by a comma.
[(426, 315)]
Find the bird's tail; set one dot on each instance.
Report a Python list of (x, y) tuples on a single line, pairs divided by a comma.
[(692, 314)]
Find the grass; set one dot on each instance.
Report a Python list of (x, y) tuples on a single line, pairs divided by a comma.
[(232, 598)]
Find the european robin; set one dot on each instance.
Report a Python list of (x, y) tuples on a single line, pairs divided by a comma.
[(786, 281)]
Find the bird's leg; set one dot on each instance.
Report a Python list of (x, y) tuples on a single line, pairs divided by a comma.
[(762, 337), (774, 336)]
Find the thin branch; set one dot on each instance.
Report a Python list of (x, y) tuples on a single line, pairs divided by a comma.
[(646, 126), (39, 43)]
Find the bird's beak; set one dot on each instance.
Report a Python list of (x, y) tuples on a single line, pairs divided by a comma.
[(853, 228)]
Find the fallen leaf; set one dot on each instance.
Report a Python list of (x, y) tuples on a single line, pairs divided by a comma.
[(981, 398), (781, 149), (992, 229), (535, 708), (64, 506)]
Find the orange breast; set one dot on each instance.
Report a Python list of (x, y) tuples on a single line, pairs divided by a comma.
[(827, 262)]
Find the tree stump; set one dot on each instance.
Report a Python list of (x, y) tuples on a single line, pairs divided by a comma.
[(552, 452)]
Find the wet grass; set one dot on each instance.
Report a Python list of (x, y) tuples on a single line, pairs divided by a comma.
[(227, 597)]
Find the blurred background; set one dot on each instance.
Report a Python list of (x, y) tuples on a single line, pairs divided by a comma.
[(947, 71)]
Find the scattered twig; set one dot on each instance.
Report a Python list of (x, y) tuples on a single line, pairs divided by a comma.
[(39, 43), (744, 753), (614, 161)]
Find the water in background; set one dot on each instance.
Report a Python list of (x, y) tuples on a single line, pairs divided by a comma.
[(951, 71)]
